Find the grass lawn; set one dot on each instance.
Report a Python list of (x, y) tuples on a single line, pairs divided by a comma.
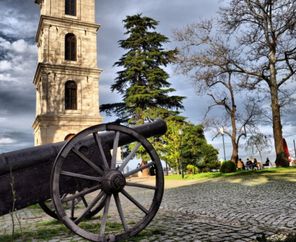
[(273, 173)]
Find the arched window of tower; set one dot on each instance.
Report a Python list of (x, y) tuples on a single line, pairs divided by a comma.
[(70, 7), (70, 47), (70, 95)]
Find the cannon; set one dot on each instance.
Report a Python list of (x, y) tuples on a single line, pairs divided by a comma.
[(85, 180)]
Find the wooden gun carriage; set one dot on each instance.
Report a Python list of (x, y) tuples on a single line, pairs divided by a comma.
[(84, 180)]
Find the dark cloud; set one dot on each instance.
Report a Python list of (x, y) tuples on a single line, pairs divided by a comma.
[(7, 37), (17, 67), (18, 58), (12, 140), (17, 102), (19, 19), (16, 135)]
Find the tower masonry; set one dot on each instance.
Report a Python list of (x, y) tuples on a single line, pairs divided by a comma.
[(66, 78)]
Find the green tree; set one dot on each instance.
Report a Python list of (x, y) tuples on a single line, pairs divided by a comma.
[(142, 82), (185, 144), (171, 144), (195, 149)]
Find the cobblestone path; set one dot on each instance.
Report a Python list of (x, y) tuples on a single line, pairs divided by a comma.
[(220, 210)]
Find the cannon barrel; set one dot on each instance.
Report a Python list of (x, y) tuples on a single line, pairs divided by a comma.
[(26, 173)]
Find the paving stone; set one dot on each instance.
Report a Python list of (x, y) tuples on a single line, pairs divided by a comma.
[(213, 211)]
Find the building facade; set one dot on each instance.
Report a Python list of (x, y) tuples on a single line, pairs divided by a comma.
[(66, 78)]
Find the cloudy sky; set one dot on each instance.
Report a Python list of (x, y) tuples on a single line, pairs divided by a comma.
[(18, 58)]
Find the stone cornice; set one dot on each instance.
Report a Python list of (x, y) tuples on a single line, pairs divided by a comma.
[(57, 20), (65, 68), (56, 119)]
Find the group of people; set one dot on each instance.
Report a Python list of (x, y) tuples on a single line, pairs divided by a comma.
[(252, 164)]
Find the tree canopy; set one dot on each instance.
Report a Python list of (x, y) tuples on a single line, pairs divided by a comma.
[(185, 144), (142, 81)]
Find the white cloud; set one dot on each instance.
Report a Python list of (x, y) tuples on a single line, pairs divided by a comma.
[(4, 44), (5, 65), (6, 77), (19, 46), (22, 47), (19, 63), (7, 141)]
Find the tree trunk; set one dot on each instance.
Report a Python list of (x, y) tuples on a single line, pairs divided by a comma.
[(276, 114), (178, 167), (234, 155), (276, 122)]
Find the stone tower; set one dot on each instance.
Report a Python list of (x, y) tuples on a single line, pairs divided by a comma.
[(66, 79)]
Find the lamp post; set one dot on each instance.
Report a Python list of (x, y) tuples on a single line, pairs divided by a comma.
[(222, 134), (294, 148), (180, 131)]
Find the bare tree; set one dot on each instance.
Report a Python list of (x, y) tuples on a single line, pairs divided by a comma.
[(258, 142), (266, 33), (205, 57), (261, 49)]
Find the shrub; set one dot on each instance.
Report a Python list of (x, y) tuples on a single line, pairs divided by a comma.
[(191, 169), (214, 165), (227, 167), (201, 165)]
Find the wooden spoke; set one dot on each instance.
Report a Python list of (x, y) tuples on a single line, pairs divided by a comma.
[(134, 201), (89, 207), (84, 201), (130, 156), (86, 177), (72, 208), (115, 147), (99, 206), (120, 211), (80, 194), (140, 185), (139, 169), (64, 196), (105, 214), (99, 144), (88, 161)]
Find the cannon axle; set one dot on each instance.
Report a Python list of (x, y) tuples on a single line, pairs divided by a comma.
[(113, 182)]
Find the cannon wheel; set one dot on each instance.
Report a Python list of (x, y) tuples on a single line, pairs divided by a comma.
[(48, 207), (111, 182)]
